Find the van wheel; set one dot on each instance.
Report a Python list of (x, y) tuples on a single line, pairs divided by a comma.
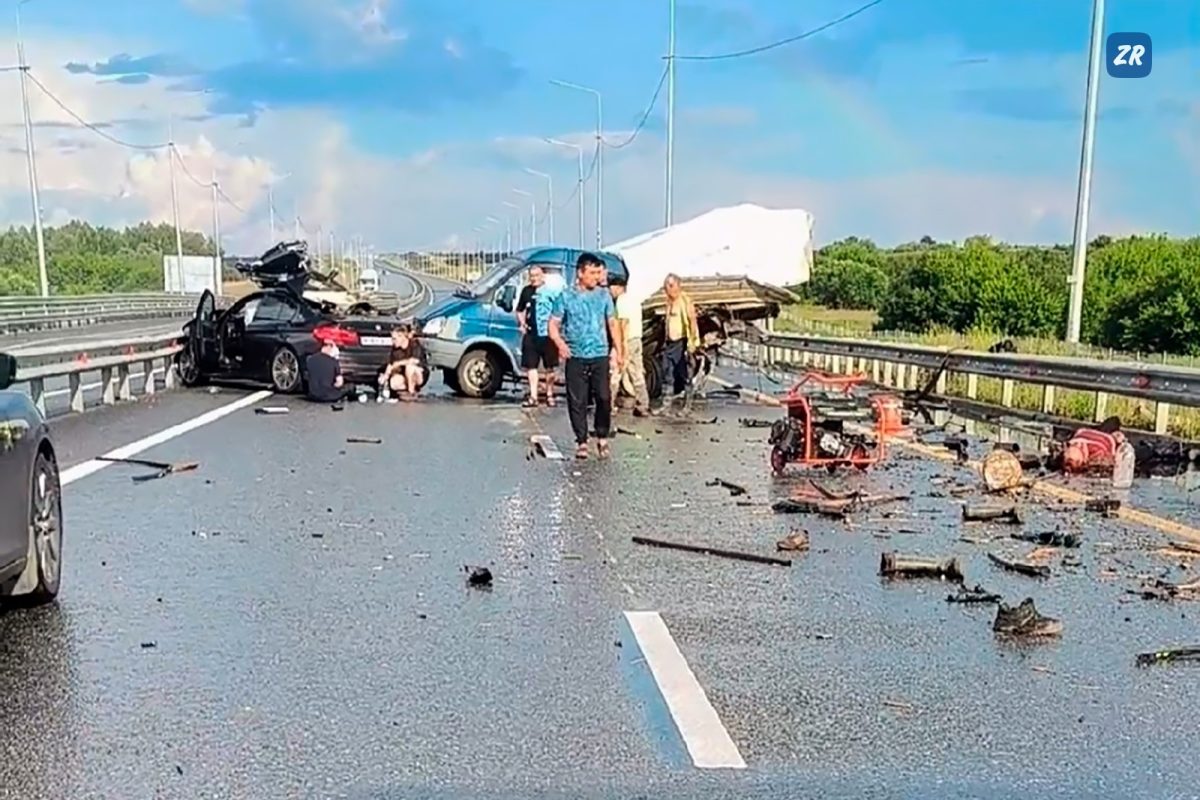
[(450, 378), (654, 383), (479, 374)]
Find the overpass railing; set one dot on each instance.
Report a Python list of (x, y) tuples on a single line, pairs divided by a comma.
[(910, 366), (36, 313)]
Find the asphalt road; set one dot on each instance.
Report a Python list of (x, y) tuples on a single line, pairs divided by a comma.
[(292, 620), (84, 335)]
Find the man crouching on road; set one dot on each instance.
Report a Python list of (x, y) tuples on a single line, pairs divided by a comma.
[(324, 373), (406, 368), (581, 323)]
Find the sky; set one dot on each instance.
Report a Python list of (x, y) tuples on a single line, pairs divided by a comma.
[(410, 123)]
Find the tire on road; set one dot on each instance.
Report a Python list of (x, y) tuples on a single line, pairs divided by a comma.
[(45, 530), (654, 378), (479, 374), (285, 371), (188, 368)]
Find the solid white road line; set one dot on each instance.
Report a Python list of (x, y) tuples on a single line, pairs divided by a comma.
[(707, 741), (72, 474)]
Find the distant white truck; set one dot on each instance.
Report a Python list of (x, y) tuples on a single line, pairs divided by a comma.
[(368, 281)]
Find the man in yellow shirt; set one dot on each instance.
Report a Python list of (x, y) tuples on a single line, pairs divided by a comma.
[(629, 324)]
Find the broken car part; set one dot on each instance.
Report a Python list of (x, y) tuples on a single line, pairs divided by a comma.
[(1049, 538), (894, 565), (712, 551), (794, 541), (992, 513), (1024, 620), (479, 577), (363, 440), (976, 595), (1022, 567), (1168, 656), (734, 489), (164, 468)]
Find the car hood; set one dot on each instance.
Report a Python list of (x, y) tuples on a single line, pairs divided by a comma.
[(446, 307)]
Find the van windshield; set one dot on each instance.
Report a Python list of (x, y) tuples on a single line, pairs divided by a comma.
[(494, 276)]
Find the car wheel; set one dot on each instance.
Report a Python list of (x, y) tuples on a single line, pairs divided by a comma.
[(654, 377), (450, 378), (479, 375), (188, 368), (45, 523), (285, 371)]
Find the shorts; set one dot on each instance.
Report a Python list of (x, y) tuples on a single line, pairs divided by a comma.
[(538, 352)]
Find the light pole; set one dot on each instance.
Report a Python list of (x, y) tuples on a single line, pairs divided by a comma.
[(175, 199), (599, 154), (532, 215), (499, 234), (216, 223), (549, 197), (520, 224), (1084, 198), (271, 201), (670, 212), (579, 184), (296, 217), (43, 277), (479, 230)]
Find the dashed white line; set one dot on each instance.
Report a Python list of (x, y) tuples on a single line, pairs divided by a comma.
[(707, 741), (72, 474)]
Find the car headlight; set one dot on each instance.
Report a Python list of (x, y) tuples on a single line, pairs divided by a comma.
[(434, 326)]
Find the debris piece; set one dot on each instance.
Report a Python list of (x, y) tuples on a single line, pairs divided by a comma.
[(894, 565), (957, 445), (1043, 670), (363, 440), (734, 489), (1022, 567), (755, 423), (479, 577), (712, 551), (1189, 547), (1165, 590), (796, 540), (272, 410), (1168, 656), (546, 447), (572, 557), (1107, 506), (991, 512), (833, 504), (317, 535), (1049, 538), (678, 505), (976, 595), (164, 468), (899, 705), (338, 407), (820, 637), (1024, 620), (627, 432), (149, 645), (1000, 470)]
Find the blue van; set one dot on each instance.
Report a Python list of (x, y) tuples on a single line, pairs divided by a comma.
[(472, 335)]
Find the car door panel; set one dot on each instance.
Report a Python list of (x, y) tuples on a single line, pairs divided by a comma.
[(19, 423)]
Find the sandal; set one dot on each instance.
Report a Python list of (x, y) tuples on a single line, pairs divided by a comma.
[(581, 452), (530, 402), (603, 448), (550, 401)]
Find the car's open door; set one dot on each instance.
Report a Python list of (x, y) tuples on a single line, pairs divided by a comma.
[(203, 336)]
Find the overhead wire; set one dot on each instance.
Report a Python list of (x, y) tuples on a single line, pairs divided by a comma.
[(90, 126), (781, 42), (645, 114)]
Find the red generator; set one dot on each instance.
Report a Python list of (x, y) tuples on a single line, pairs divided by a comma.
[(823, 411)]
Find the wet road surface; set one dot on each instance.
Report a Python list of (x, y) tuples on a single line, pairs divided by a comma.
[(292, 621)]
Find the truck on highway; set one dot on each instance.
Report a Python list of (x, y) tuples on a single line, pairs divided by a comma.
[(733, 262), (368, 281)]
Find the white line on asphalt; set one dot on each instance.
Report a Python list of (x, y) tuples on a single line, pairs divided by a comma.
[(72, 474), (708, 743)]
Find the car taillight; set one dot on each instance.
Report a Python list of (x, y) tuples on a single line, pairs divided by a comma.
[(342, 337)]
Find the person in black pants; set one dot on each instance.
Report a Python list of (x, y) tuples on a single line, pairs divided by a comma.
[(324, 375), (582, 323)]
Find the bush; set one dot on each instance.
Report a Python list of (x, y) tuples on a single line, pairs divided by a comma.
[(840, 283)]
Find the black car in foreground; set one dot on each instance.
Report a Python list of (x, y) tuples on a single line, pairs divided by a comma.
[(267, 336), (30, 502)]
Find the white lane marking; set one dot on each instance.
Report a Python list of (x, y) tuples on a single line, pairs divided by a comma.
[(707, 741), (72, 474)]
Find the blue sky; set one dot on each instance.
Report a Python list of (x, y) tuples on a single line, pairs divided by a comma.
[(410, 121)]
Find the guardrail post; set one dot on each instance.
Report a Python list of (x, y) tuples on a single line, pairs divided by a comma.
[(1162, 417), (942, 381), (170, 376), (876, 371), (1007, 386), (1101, 407), (901, 375), (149, 385), (889, 371), (972, 386), (1047, 399), (106, 386), (37, 391), (75, 391), (123, 389), (836, 364)]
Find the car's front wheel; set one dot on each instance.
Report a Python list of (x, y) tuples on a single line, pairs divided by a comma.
[(285, 371), (45, 523), (479, 374), (188, 368)]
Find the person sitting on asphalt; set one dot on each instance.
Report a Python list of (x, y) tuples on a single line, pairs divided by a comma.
[(325, 382), (407, 366)]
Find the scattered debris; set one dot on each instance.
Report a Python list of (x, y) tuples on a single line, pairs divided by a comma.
[(544, 445), (832, 503), (627, 432), (1024, 620), (958, 445), (992, 513), (479, 577), (1107, 506), (734, 489), (149, 645), (338, 407), (795, 541), (1168, 656), (1001, 470), (363, 440), (1022, 567), (1049, 538), (976, 595), (899, 705), (894, 565), (712, 551), (1187, 547), (272, 410), (164, 468), (755, 423), (1165, 590)]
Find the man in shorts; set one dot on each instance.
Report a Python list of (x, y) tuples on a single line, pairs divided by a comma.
[(407, 366), (539, 356)]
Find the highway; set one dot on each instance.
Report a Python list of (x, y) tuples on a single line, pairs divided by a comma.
[(294, 620)]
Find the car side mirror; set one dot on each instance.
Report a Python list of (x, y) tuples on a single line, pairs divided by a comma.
[(507, 297), (8, 370)]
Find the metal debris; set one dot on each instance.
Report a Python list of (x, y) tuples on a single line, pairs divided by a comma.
[(363, 440), (734, 489), (1049, 538), (976, 595), (712, 551), (795, 541), (272, 410), (992, 513), (895, 565), (1024, 620), (1168, 656), (479, 577), (163, 468), (1022, 567)]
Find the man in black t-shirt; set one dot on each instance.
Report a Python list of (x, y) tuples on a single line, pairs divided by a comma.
[(407, 365), (536, 350), (324, 374)]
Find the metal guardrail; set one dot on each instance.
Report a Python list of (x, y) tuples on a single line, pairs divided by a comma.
[(902, 365), (35, 313)]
